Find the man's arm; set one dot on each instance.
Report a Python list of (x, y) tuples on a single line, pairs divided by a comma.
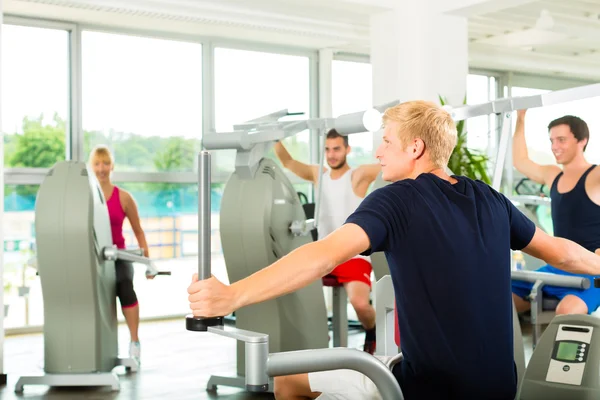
[(210, 298), (367, 173), (563, 254), (543, 174), (362, 178), (304, 171)]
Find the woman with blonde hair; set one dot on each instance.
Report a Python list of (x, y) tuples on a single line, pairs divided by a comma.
[(121, 205)]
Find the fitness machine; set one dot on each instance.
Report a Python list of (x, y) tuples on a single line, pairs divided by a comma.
[(260, 365), (565, 364), (75, 257), (261, 221)]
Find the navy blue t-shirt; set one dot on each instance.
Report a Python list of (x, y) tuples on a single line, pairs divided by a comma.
[(448, 250)]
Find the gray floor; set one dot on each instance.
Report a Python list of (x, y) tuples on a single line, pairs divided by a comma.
[(176, 364)]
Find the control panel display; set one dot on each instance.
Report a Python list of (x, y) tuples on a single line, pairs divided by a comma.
[(567, 351)]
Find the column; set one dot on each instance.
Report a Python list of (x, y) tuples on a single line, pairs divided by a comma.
[(418, 53)]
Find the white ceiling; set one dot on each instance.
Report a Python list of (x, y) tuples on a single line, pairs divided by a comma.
[(565, 42)]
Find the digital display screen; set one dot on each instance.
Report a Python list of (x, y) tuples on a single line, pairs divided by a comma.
[(567, 351)]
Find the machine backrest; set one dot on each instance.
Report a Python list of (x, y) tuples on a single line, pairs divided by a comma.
[(71, 225), (378, 261), (531, 263)]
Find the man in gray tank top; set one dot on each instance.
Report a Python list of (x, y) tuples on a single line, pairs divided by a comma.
[(343, 190)]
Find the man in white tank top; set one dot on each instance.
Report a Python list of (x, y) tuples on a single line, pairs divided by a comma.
[(343, 190)]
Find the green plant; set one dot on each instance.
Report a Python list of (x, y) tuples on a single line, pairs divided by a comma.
[(8, 287), (464, 161)]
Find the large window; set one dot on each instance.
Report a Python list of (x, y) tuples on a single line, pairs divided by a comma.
[(35, 93), (143, 98), (169, 216), (352, 85), (482, 131), (35, 123), (250, 84), (22, 292)]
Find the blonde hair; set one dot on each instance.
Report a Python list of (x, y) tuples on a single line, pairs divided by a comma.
[(430, 123), (102, 152)]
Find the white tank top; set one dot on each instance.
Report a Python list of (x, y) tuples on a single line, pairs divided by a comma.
[(337, 203)]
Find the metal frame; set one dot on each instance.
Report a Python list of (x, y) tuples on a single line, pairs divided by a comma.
[(505, 106), (75, 149), (3, 377), (74, 49), (10, 19), (76, 139), (351, 57), (35, 176)]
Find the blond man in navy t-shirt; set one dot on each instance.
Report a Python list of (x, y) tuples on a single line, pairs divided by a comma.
[(447, 240)]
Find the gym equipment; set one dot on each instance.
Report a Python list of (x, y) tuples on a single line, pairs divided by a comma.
[(75, 258), (262, 220), (542, 308), (339, 315), (565, 364), (260, 365), (259, 198), (388, 343), (529, 204)]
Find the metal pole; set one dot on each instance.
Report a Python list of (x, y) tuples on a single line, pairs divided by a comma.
[(204, 251), (551, 279), (320, 188), (192, 323), (303, 361), (502, 149), (2, 374)]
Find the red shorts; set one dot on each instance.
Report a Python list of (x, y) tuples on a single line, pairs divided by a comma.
[(355, 269)]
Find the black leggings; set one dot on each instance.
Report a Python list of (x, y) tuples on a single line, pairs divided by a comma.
[(125, 292)]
